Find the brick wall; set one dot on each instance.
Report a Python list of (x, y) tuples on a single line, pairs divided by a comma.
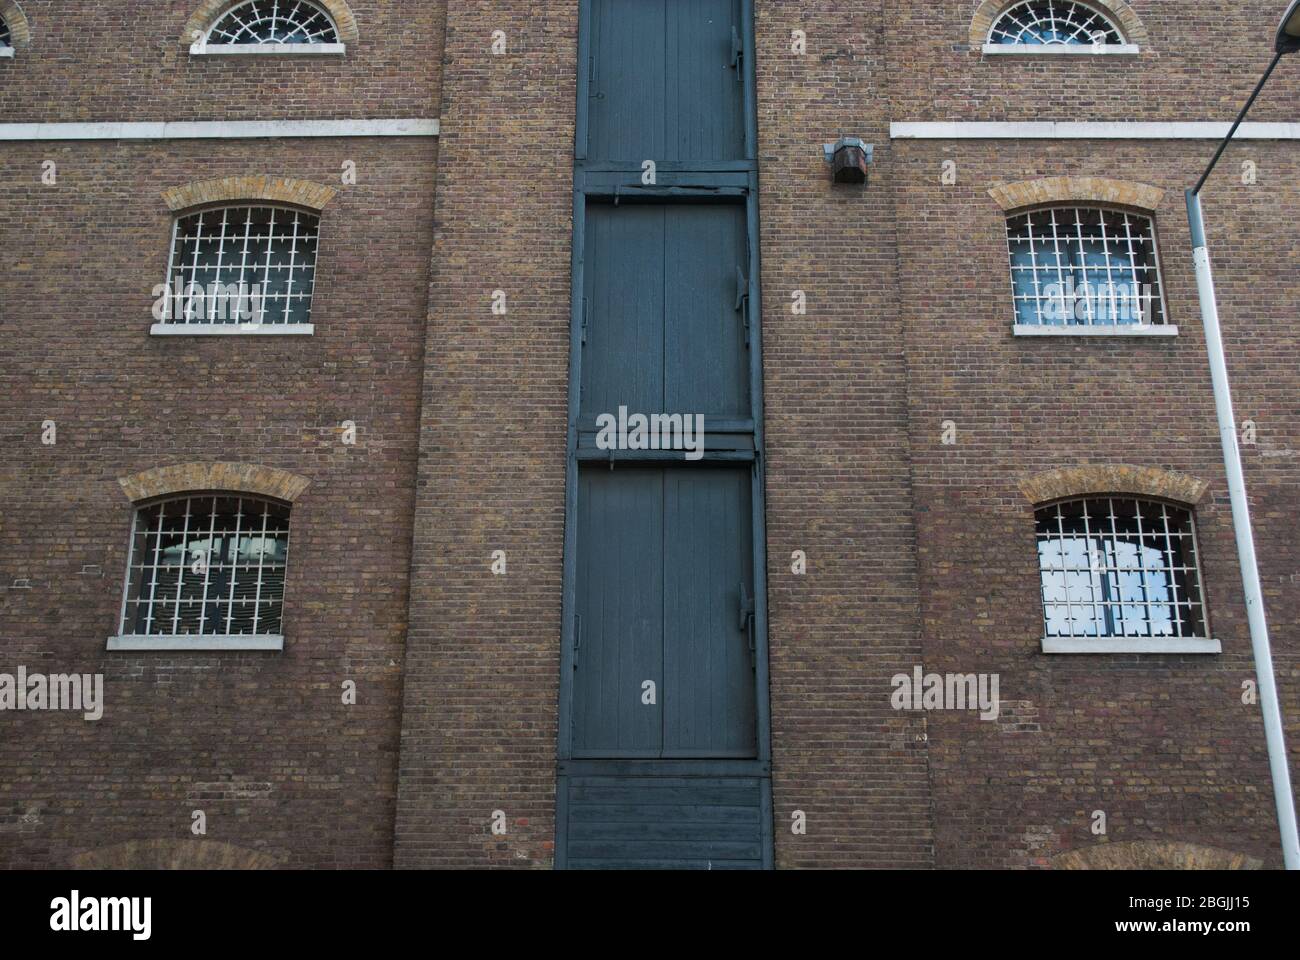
[(837, 474), (261, 742), (1162, 744), (918, 553), (482, 657), (111, 60)]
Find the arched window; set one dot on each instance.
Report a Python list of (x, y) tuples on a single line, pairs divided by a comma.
[(272, 26), (1084, 270), (1055, 26), (244, 268), (206, 571), (1120, 569), (15, 30)]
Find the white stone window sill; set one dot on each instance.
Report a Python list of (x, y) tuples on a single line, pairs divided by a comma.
[(267, 49), (196, 643), (232, 329), (6, 52), (1079, 330), (1122, 645), (1061, 50)]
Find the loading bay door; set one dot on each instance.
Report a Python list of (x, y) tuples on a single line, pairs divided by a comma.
[(664, 752)]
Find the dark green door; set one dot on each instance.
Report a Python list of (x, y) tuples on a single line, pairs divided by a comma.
[(664, 667), (664, 334), (665, 80)]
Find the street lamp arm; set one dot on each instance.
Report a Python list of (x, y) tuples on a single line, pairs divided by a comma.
[(1240, 117)]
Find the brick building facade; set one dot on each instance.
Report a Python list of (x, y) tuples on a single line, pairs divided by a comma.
[(419, 437)]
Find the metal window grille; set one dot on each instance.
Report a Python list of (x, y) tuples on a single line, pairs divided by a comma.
[(4, 34), (1054, 22), (207, 565), (1113, 567), (1084, 266), (243, 264), (274, 21)]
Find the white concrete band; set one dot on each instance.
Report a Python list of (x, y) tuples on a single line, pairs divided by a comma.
[(219, 129), (1089, 130)]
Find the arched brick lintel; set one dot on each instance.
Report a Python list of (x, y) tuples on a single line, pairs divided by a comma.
[(1045, 190), (20, 31), (206, 15), (1153, 855), (1114, 479), (303, 193), (233, 477), (174, 855), (1130, 24)]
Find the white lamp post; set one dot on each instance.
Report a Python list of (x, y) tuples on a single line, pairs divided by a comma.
[(1288, 41)]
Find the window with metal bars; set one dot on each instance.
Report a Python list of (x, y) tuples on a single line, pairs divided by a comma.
[(1084, 267), (207, 566), (1119, 567), (243, 265), (5, 40), (257, 22), (1054, 23)]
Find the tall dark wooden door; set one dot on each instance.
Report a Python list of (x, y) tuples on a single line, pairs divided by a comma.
[(664, 752)]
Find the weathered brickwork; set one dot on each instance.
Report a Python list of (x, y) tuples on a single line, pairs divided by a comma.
[(262, 743), (838, 478), (482, 655), (1163, 745), (125, 60), (919, 552), (1195, 64)]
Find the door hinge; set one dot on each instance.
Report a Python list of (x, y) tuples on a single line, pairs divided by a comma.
[(737, 54), (586, 319), (742, 299), (577, 638), (747, 622)]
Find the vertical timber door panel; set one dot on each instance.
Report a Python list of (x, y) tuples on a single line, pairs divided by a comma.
[(706, 365), (664, 332), (619, 635), (708, 692), (623, 360), (665, 83)]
